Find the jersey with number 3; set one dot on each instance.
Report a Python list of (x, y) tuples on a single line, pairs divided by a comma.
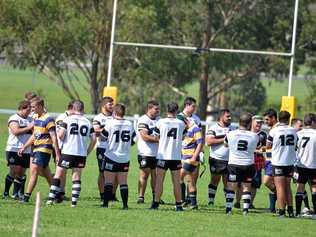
[(242, 145), (283, 139), (78, 131), (306, 153), (170, 142), (120, 134)]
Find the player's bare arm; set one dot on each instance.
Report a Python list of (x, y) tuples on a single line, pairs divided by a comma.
[(26, 145), (16, 130)]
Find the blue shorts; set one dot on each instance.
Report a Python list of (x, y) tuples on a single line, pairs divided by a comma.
[(268, 168), (40, 159)]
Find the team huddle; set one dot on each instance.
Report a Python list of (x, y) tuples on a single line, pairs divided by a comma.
[(237, 154)]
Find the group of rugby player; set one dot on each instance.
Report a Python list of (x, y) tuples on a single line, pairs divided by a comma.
[(237, 155)]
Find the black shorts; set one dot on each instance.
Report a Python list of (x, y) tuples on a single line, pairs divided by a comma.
[(71, 161), (14, 159), (241, 173), (304, 175), (100, 158), (112, 166), (286, 171), (147, 162), (188, 167), (169, 164), (218, 167)]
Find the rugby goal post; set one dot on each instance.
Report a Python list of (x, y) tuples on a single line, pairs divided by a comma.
[(36, 217), (289, 106)]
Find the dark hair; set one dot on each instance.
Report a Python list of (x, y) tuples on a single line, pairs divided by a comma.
[(119, 110), (29, 95), (172, 107), (24, 104), (70, 105), (284, 116), (295, 120), (38, 101), (105, 100), (271, 113), (151, 104), (78, 105), (189, 101), (222, 112), (245, 119), (309, 119)]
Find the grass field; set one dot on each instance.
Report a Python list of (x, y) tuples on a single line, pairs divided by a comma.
[(88, 219)]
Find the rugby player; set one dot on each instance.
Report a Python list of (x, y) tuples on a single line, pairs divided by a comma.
[(191, 147), (283, 140), (99, 122), (147, 146), (44, 140), (218, 159), (120, 135), (270, 119), (59, 121), (75, 131), (306, 161), (297, 124), (171, 132), (20, 127), (242, 144)]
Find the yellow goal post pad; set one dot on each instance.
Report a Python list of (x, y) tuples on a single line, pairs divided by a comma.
[(289, 104), (110, 91)]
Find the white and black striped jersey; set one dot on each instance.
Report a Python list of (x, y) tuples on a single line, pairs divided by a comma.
[(14, 143), (284, 140), (219, 151), (59, 120), (78, 132), (242, 145), (120, 135), (146, 148), (100, 120), (306, 153), (171, 132)]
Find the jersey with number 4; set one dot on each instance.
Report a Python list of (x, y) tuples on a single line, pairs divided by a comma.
[(306, 153), (171, 132), (120, 134), (242, 145), (283, 139), (78, 131)]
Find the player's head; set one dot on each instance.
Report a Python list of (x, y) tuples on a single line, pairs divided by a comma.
[(107, 105), (297, 124), (119, 110), (78, 106), (29, 95), (153, 109), (38, 105), (172, 108), (224, 117), (245, 120), (189, 105), (257, 122), (24, 108), (284, 117), (310, 120), (270, 117)]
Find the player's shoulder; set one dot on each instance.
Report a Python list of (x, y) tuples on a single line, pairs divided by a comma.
[(14, 117), (62, 116), (98, 117), (143, 119)]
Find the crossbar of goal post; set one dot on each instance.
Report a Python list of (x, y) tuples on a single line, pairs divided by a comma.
[(197, 49)]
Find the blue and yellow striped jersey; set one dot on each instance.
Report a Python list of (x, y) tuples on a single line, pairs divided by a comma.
[(42, 126), (192, 139)]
